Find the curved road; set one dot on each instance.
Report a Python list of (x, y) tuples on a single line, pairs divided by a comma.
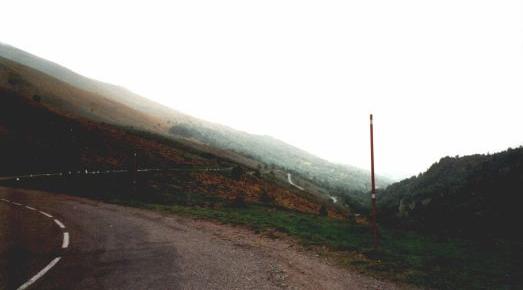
[(289, 179), (116, 247), (19, 246)]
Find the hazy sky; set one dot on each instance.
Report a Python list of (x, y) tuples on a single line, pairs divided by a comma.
[(441, 77)]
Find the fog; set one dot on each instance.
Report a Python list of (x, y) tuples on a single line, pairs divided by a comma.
[(441, 77)]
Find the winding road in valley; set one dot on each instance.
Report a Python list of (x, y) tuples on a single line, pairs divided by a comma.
[(289, 179), (55, 241)]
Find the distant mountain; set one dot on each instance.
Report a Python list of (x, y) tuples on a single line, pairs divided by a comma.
[(476, 195), (67, 92)]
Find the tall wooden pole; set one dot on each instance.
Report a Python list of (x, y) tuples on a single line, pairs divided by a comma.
[(373, 196)]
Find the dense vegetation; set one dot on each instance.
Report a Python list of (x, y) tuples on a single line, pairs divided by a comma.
[(476, 196)]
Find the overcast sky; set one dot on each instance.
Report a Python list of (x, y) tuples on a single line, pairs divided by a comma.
[(441, 77)]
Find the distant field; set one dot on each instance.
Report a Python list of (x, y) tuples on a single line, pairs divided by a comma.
[(404, 256)]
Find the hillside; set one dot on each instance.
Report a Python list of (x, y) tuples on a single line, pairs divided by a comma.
[(476, 195), (66, 92), (273, 153), (34, 139)]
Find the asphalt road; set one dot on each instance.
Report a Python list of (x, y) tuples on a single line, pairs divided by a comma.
[(28, 242), (117, 247), (106, 251), (113, 247)]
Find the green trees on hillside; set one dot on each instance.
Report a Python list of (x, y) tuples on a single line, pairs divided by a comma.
[(470, 195)]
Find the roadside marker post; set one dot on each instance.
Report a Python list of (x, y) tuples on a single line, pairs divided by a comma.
[(134, 173), (135, 167), (373, 193)]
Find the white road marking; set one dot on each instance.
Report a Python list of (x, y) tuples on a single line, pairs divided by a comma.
[(40, 274), (46, 214), (65, 242), (60, 224)]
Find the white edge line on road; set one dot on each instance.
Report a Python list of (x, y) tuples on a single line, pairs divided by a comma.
[(65, 242), (59, 223), (40, 274), (46, 214)]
